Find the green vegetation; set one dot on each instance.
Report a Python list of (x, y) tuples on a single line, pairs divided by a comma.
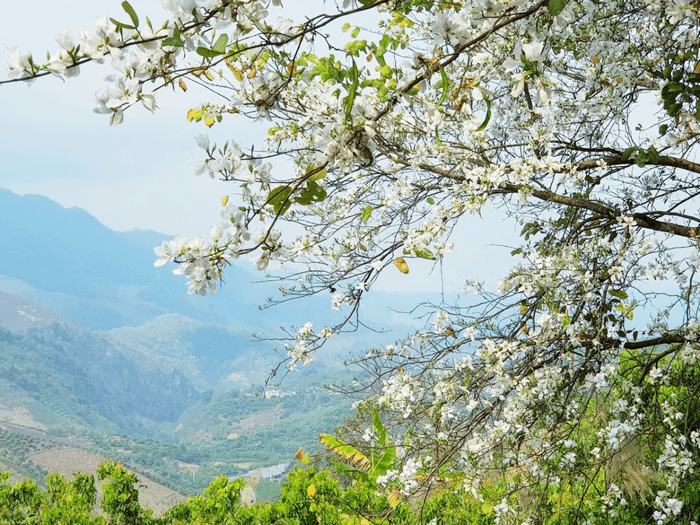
[(356, 489), (233, 429), (15, 450), (78, 383), (309, 496)]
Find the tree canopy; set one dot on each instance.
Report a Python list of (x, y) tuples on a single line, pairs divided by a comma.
[(573, 386)]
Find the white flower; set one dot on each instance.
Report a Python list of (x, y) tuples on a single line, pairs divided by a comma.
[(626, 220), (20, 65), (568, 460), (149, 101), (337, 301), (177, 7), (370, 436), (654, 374), (674, 506), (66, 41), (58, 63), (203, 141), (163, 253), (533, 52)]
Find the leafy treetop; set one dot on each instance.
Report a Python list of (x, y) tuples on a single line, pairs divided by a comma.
[(578, 118)]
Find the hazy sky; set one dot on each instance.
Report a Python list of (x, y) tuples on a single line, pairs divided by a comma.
[(138, 175), (132, 176)]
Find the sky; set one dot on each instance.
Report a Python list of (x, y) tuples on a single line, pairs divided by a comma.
[(139, 175)]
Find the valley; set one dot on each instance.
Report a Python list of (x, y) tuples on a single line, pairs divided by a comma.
[(112, 359)]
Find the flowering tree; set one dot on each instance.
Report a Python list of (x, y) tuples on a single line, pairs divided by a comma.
[(573, 387)]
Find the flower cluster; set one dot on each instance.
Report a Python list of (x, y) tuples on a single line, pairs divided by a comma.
[(585, 352)]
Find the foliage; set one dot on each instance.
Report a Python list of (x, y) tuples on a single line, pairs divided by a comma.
[(66, 371), (368, 469), (578, 119), (308, 497), (217, 506)]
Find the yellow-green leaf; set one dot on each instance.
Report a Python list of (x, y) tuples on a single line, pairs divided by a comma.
[(401, 264), (194, 114), (424, 253), (394, 498), (357, 458), (311, 491), (224, 200), (366, 212)]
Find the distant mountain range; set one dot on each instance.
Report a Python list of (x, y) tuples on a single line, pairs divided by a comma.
[(68, 261), (18, 314), (97, 342)]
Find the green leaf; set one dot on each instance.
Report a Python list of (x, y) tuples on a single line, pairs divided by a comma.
[(132, 14), (312, 193), (318, 175), (346, 26), (676, 86), (437, 137), (355, 32), (424, 253), (349, 471), (556, 6), (664, 127), (641, 158), (488, 114), (566, 321), (208, 53), (366, 212), (355, 77), (620, 294), (279, 198), (172, 41), (430, 200), (653, 155), (220, 45), (120, 25), (382, 461), (381, 457), (380, 59), (445, 87), (175, 40), (627, 154), (382, 434)]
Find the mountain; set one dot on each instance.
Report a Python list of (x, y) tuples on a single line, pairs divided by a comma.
[(98, 343), (66, 260), (81, 375), (18, 314)]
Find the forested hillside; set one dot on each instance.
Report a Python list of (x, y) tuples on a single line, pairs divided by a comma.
[(114, 361)]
